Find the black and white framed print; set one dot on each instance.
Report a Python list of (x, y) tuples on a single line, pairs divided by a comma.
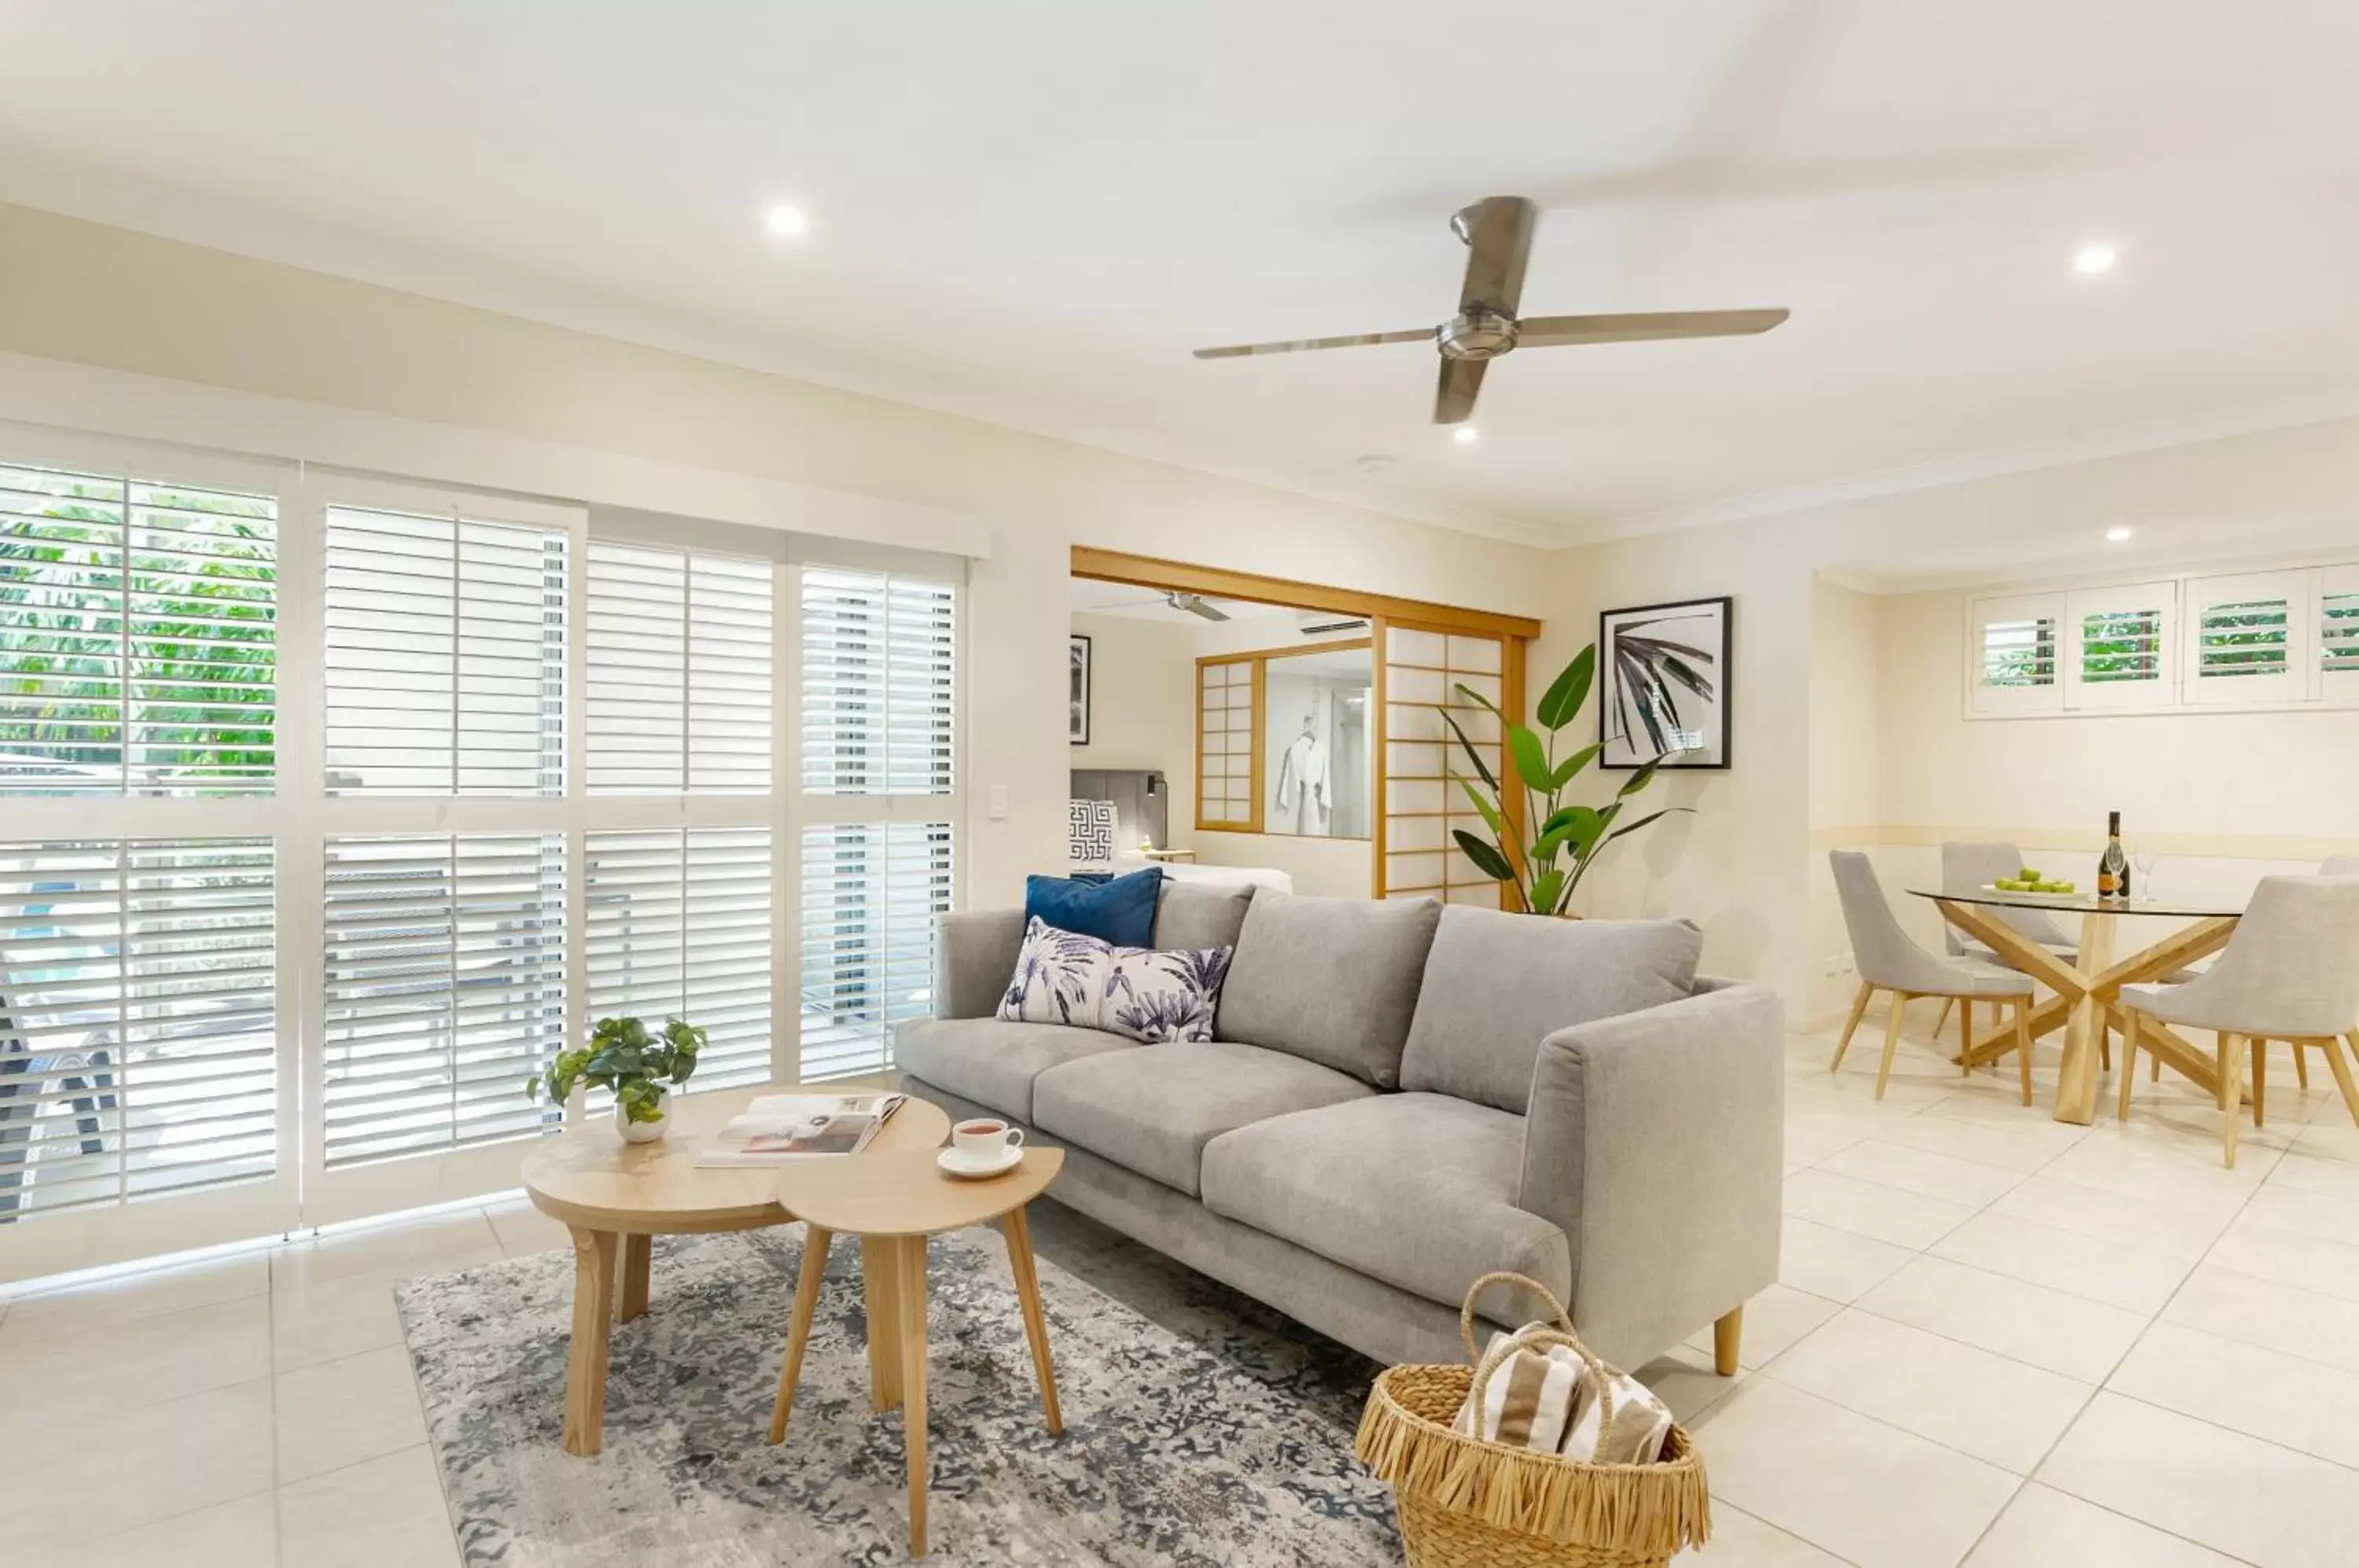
[(1663, 678), (1080, 723)]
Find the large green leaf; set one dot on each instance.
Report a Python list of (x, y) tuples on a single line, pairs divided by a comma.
[(1569, 769), (1487, 858), (1481, 702), (1632, 827), (1530, 758), (1581, 827), (1563, 699), (1640, 779), (1473, 756), (1548, 887), (1490, 812)]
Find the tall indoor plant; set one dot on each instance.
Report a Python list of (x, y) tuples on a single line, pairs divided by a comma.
[(640, 1067), (1546, 863)]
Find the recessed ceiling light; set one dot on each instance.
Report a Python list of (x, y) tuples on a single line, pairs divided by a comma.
[(788, 223), (1465, 435), (2118, 535), (2092, 258)]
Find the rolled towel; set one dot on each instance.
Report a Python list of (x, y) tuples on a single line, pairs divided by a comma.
[(1642, 1423), (1528, 1400)]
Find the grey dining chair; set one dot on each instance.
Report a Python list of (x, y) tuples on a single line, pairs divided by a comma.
[(2286, 975), (1889, 961), (2340, 866), (1976, 864)]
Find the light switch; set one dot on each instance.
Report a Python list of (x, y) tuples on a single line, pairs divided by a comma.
[(995, 802)]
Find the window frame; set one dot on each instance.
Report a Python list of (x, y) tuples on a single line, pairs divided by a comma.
[(2298, 591), (2011, 701), (2080, 693)]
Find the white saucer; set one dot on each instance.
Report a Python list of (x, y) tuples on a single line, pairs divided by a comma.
[(956, 1164)]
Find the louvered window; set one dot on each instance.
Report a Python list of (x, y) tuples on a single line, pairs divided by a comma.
[(678, 925), (445, 656), (2245, 638), (2018, 665), (138, 1032), (871, 894), (2019, 652), (2122, 645), (2338, 622), (680, 650), (443, 990), (878, 683), (138, 637), (2122, 648)]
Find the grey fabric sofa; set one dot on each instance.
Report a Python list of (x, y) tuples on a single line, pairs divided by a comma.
[(1401, 1099)]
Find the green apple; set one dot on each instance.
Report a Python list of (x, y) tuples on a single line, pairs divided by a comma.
[(2026, 875)]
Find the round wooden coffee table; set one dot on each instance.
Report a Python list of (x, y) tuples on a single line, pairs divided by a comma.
[(892, 1202), (616, 1196)]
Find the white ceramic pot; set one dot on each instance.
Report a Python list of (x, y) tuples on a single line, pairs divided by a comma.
[(644, 1132)]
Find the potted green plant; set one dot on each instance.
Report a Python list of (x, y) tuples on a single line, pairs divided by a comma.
[(641, 1069), (1545, 863)]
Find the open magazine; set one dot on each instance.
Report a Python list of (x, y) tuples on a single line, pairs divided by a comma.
[(775, 1129)]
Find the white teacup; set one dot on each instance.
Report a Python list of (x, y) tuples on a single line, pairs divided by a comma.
[(985, 1140)]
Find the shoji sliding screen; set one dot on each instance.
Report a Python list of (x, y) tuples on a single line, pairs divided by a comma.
[(1425, 673)]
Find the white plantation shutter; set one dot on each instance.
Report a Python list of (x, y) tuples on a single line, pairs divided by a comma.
[(871, 895), (138, 640), (2016, 650), (2122, 647), (138, 1031), (678, 926), (680, 655), (445, 655), (2338, 632), (879, 681), (443, 989), (2247, 639)]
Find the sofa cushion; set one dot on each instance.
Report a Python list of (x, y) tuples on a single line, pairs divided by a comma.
[(993, 1064), (1415, 1190), (1120, 909), (1152, 1108), (1331, 980), (1496, 984), (1200, 914)]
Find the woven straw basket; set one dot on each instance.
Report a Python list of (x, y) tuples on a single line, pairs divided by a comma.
[(1465, 1503)]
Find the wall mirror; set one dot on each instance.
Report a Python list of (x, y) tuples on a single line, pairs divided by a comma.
[(1284, 740)]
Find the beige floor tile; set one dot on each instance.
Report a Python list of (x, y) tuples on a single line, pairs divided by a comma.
[(1684, 1379), (2289, 1258), (2000, 1411), (400, 1251), (1867, 1208), (2251, 1500), (2021, 1142), (2047, 1529), (1740, 1540), (134, 1467), (2329, 1136), (2157, 1173), (2323, 1215), (2130, 1277), (1922, 1171), (340, 1412), (2246, 1387), (2310, 1174), (2306, 1324), (1814, 1136), (2071, 1335), (133, 1296), (241, 1534), (1774, 1320), (1820, 1260), (523, 1229), (53, 1378), (2185, 1227), (386, 1513), (1869, 1493), (332, 1320)]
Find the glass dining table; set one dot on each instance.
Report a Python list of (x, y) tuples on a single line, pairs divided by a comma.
[(2087, 989)]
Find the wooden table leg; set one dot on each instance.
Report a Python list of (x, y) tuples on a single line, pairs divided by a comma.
[(815, 1245), (2341, 1070), (880, 1271), (909, 1287), (2076, 1076), (1036, 1321), (594, 1316), (638, 1256)]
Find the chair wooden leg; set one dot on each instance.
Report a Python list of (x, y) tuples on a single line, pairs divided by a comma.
[(1891, 1041), (2129, 1062), (2023, 1044), (2231, 1090), (1943, 1016), (2300, 1065), (1728, 1341), (1858, 1007), (2260, 1077), (2341, 1070), (1965, 1036)]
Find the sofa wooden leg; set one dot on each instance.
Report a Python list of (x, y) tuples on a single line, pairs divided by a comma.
[(1727, 1335)]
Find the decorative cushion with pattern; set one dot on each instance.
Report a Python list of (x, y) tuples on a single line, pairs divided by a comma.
[(1089, 832), (1146, 994)]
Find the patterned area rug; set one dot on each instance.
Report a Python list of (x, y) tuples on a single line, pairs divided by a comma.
[(1230, 1443)]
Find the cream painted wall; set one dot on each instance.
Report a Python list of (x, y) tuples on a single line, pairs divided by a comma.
[(1144, 712), (88, 294), (1846, 716)]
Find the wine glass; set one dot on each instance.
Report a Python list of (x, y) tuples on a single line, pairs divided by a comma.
[(2142, 859)]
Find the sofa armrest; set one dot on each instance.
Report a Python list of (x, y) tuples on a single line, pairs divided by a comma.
[(975, 957), (1656, 1140)]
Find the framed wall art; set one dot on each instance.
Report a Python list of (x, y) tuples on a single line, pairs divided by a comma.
[(1663, 680)]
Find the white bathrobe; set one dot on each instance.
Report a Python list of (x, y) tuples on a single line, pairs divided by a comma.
[(1302, 786)]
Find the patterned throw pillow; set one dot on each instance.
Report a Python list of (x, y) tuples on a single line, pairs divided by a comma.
[(1145, 994)]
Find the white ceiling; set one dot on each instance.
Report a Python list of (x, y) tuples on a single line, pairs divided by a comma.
[(1031, 211), (1127, 600)]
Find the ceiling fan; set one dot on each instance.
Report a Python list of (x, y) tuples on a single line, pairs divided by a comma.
[(1498, 231)]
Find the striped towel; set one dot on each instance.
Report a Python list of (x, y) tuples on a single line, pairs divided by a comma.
[(1642, 1423), (1528, 1402)]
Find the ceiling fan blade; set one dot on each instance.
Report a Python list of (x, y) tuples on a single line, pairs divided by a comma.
[(1195, 605), (1557, 332), (1498, 231), (1453, 400), (1296, 345)]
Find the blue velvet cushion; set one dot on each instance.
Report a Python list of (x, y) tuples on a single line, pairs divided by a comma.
[(1121, 911)]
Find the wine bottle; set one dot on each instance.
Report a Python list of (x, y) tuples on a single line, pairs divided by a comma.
[(2114, 866)]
